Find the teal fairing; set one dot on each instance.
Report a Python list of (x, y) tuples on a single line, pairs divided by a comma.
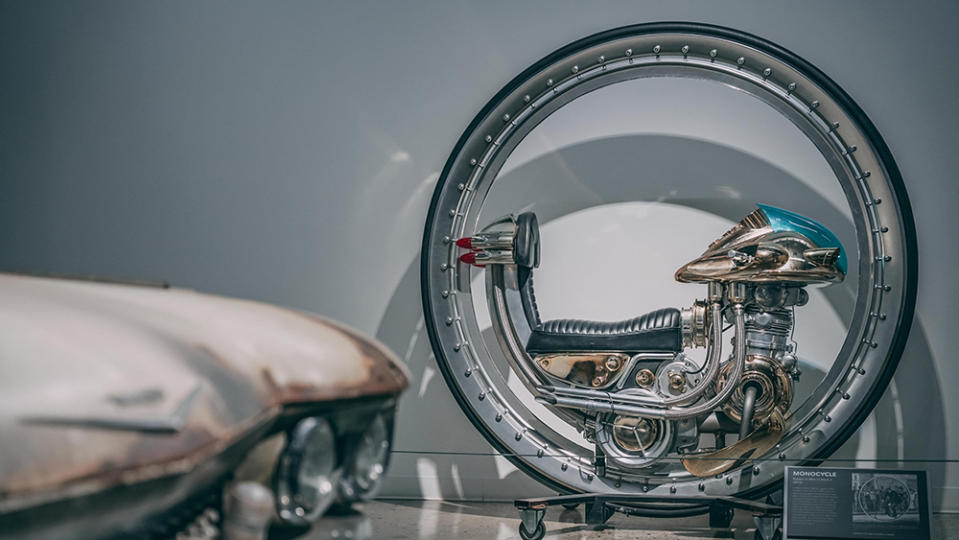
[(785, 221)]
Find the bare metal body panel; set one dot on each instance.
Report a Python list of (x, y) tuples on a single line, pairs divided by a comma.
[(103, 385)]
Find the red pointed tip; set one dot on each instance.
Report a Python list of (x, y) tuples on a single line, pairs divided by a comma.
[(465, 242), (470, 258)]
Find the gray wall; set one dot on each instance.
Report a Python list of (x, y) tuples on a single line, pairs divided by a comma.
[(286, 152)]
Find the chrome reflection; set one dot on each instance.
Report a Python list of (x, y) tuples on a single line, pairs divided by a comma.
[(857, 373), (631, 418)]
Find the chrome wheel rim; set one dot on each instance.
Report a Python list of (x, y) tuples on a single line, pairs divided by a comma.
[(823, 112)]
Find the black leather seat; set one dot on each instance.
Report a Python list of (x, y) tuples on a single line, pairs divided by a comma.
[(653, 332), (657, 331)]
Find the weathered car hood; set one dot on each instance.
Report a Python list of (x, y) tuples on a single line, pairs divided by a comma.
[(103, 384)]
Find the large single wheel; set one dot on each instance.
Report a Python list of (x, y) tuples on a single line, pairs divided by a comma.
[(881, 283)]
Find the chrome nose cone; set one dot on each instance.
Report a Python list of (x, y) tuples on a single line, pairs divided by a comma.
[(770, 245)]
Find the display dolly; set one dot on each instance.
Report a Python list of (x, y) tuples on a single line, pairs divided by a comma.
[(601, 506)]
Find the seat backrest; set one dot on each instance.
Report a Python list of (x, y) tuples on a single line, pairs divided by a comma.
[(526, 255), (526, 241)]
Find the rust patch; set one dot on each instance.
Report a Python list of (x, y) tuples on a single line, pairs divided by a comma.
[(385, 373), (292, 392), (236, 377), (300, 392), (148, 458)]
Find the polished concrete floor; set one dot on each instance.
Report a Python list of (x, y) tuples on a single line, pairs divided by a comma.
[(434, 520)]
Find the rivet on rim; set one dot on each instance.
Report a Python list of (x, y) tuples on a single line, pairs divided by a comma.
[(767, 72), (740, 61), (713, 53), (791, 88), (684, 50)]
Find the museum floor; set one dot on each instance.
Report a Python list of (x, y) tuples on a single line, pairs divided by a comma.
[(433, 520)]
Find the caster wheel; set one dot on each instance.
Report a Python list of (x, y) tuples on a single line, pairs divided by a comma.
[(538, 534)]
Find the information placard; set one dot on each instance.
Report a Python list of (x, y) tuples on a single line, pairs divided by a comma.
[(846, 504)]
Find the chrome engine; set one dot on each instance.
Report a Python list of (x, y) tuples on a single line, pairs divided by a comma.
[(630, 386)]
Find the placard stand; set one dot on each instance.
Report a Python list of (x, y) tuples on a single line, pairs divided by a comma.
[(601, 506), (852, 503)]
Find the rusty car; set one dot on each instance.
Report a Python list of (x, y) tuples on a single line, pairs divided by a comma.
[(136, 410)]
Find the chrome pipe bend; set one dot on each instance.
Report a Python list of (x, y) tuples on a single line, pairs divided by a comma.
[(678, 413), (713, 356)]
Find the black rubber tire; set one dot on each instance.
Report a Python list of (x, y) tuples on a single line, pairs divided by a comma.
[(538, 534)]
